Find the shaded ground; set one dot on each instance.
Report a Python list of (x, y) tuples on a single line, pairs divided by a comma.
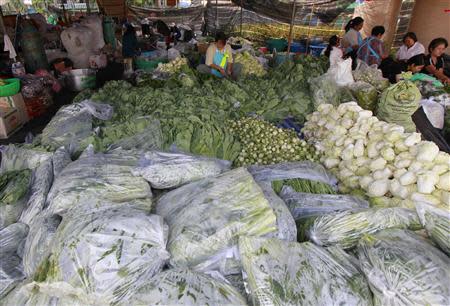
[(36, 125)]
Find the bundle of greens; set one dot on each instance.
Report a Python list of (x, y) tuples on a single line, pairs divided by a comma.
[(365, 94), (173, 66), (106, 252), (303, 185), (185, 287), (404, 269), (290, 273), (14, 186), (346, 228), (207, 217), (263, 143), (250, 65), (436, 221)]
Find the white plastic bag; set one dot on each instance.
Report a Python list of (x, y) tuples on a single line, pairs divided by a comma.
[(435, 113), (343, 73)]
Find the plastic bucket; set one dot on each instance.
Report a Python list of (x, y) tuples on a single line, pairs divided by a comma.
[(11, 88), (277, 44), (298, 47), (316, 50)]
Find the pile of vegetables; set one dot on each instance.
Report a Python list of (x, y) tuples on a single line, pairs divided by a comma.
[(250, 64), (263, 143), (13, 186), (393, 167), (173, 66)]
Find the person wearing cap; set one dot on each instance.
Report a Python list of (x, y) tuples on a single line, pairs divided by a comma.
[(219, 59)]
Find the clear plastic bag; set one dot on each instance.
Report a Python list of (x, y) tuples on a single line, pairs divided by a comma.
[(344, 229), (365, 94), (324, 90), (304, 170), (37, 245), (436, 221), (185, 287), (108, 252), (17, 158), (371, 75), (165, 170), (11, 268), (207, 217), (286, 228), (96, 178), (289, 273), (73, 123), (404, 269), (303, 205)]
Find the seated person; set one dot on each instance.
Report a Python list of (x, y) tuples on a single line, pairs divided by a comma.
[(392, 69), (434, 61), (410, 47), (219, 59), (372, 49)]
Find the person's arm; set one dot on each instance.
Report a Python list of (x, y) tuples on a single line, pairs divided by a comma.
[(438, 73)]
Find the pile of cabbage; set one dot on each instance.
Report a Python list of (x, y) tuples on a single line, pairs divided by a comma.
[(393, 167), (173, 66), (250, 64)]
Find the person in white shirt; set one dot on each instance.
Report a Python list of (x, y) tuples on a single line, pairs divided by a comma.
[(333, 51), (411, 47)]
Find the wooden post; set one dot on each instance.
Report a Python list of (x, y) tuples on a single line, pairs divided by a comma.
[(291, 28), (2, 25), (217, 13)]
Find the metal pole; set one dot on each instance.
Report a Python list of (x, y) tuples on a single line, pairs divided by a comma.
[(291, 27), (242, 13)]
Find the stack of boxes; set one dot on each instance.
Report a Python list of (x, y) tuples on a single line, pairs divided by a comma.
[(13, 115)]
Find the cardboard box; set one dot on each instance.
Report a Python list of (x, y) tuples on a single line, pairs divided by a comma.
[(17, 102), (9, 121)]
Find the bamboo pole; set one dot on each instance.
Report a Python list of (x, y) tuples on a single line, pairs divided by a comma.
[(2, 25), (291, 27), (242, 12)]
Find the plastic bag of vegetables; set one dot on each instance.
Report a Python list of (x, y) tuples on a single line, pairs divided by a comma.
[(37, 244), (185, 287), (168, 170), (303, 170), (290, 273), (14, 188), (346, 228), (286, 228), (207, 217), (371, 75), (398, 103), (250, 64), (304, 205), (56, 293), (365, 94), (324, 90), (142, 133), (11, 268), (404, 269), (106, 252), (436, 221), (72, 124), (95, 178)]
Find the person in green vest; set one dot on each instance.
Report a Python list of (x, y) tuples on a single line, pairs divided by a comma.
[(219, 59)]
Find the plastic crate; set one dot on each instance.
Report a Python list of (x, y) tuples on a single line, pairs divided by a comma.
[(11, 88)]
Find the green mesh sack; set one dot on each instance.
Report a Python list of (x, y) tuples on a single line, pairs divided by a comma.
[(398, 103)]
